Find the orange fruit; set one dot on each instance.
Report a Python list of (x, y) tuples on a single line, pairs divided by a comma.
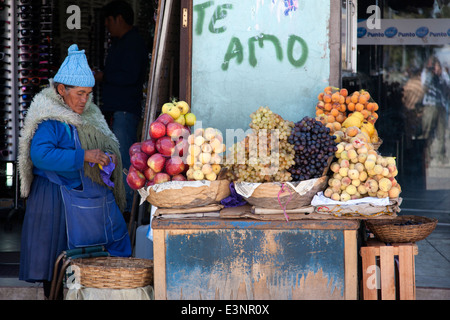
[(327, 107), (342, 107), (370, 106), (320, 105), (365, 113), (366, 94), (334, 112), (330, 118), (351, 106), (362, 99), (340, 118), (320, 96), (355, 98), (348, 100), (359, 107), (319, 111), (337, 125), (335, 97), (327, 98), (344, 92)]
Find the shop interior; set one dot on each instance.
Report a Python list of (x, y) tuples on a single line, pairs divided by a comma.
[(43, 38), (45, 29), (386, 70)]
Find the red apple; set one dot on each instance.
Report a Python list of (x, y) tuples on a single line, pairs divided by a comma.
[(156, 162), (157, 130), (181, 147), (165, 119), (179, 177), (174, 166), (176, 130), (135, 147), (139, 160), (148, 147), (136, 179), (161, 177), (149, 173), (165, 146), (132, 168)]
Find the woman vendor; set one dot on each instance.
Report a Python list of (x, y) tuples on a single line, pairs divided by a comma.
[(73, 200)]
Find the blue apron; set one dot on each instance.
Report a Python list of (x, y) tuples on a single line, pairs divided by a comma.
[(92, 215)]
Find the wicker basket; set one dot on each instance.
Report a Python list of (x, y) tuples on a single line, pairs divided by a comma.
[(115, 272), (395, 230)]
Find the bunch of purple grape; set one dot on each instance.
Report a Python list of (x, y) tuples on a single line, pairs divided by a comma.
[(313, 146)]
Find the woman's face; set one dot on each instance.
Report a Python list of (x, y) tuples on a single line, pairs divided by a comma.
[(76, 97)]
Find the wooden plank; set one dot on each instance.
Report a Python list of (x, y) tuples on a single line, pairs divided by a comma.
[(377, 244), (369, 273), (387, 273), (186, 52), (159, 264), (406, 273), (351, 265), (254, 224)]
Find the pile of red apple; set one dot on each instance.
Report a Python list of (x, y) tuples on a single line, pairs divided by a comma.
[(159, 159)]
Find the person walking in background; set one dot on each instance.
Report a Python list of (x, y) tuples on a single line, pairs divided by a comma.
[(64, 149), (436, 83), (123, 78), (412, 97)]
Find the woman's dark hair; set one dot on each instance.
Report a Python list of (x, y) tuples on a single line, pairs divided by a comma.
[(119, 7)]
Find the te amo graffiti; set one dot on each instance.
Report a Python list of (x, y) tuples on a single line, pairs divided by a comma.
[(235, 48)]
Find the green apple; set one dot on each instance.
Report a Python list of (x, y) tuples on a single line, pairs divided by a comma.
[(173, 111), (190, 119), (183, 106), (166, 106), (181, 120)]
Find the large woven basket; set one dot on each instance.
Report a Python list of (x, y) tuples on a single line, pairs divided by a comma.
[(115, 272), (402, 228), (185, 196)]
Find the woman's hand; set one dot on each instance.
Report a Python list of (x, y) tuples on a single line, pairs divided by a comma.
[(113, 158), (96, 156)]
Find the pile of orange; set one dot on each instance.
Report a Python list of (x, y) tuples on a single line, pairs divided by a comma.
[(335, 105)]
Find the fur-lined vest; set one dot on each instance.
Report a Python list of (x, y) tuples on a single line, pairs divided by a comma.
[(92, 129)]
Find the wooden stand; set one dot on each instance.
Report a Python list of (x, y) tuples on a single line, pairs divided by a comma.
[(249, 259), (379, 276)]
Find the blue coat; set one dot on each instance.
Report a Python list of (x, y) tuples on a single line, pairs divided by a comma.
[(45, 228), (53, 149)]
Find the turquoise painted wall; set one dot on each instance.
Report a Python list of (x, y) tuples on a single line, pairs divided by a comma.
[(247, 54)]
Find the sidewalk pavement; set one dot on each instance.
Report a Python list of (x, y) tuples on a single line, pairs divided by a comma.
[(433, 260)]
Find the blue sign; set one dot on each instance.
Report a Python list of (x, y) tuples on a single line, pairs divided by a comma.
[(361, 32), (391, 32), (422, 32)]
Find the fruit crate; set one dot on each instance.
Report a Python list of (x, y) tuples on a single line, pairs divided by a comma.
[(388, 271)]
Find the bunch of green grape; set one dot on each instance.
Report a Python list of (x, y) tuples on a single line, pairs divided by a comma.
[(265, 155)]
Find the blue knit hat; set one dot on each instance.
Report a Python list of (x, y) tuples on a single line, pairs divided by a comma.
[(75, 70)]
